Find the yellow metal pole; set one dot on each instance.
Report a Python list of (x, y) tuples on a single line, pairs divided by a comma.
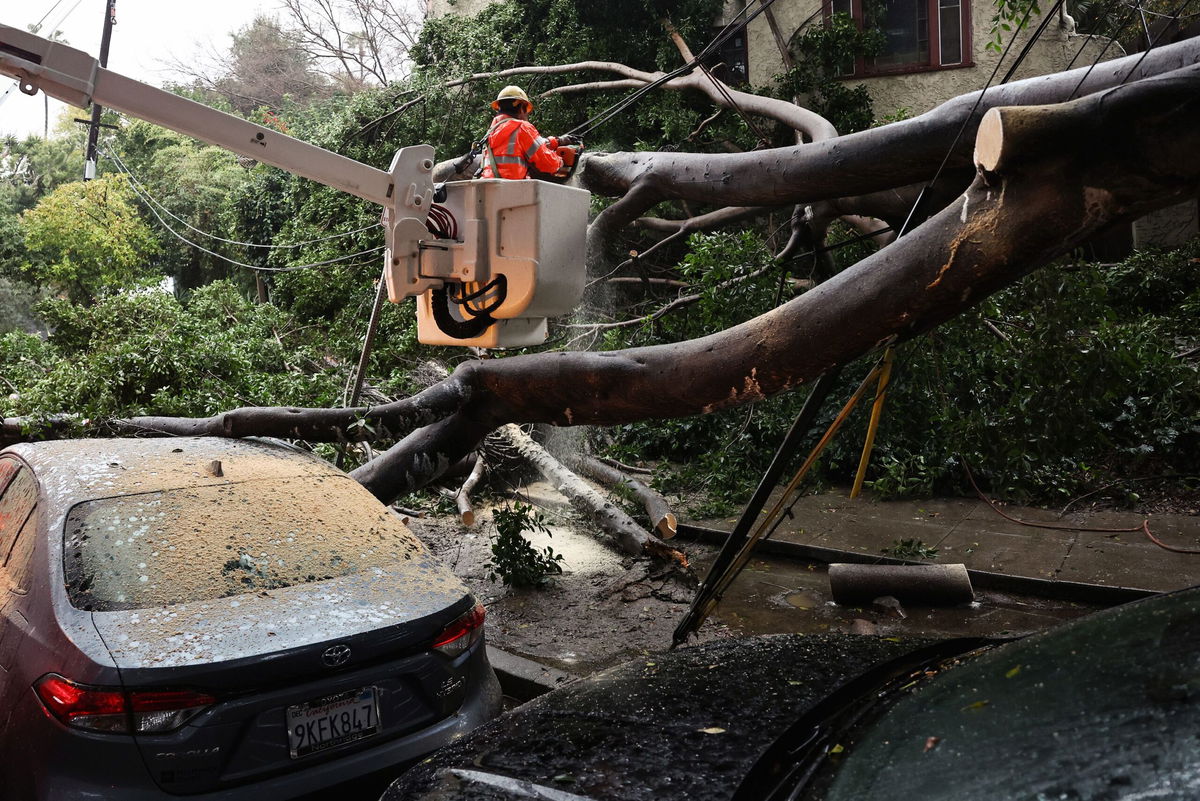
[(765, 523), (885, 375)]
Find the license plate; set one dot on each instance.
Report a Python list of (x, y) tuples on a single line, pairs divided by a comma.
[(333, 720)]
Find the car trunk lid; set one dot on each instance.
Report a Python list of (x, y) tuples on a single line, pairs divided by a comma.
[(289, 601), (284, 659)]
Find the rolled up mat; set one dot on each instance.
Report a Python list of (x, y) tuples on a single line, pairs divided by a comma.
[(921, 585)]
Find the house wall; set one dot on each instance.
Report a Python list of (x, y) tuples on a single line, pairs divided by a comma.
[(918, 92), (463, 8)]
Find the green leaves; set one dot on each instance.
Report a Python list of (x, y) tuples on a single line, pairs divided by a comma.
[(514, 560), (1061, 385), (146, 353), (1012, 16), (823, 55), (85, 238)]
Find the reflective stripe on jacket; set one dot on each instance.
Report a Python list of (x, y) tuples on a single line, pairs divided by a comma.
[(515, 144)]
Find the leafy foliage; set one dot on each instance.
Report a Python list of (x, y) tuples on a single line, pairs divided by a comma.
[(147, 353), (194, 188), (564, 32), (1011, 16), (84, 238), (514, 560), (822, 55), (31, 168), (1083, 385)]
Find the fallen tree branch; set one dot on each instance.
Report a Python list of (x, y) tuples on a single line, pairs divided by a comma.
[(628, 468), (632, 538), (657, 508), (385, 421), (674, 283), (1131, 150), (462, 498), (703, 222), (875, 160), (793, 116)]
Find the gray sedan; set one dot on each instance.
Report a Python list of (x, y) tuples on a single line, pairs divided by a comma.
[(218, 619)]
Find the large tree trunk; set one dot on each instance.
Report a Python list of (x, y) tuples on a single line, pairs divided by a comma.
[(1050, 178), (878, 159)]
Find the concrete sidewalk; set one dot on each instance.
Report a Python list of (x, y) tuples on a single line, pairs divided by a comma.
[(971, 532)]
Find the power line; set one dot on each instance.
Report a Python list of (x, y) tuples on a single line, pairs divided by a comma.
[(1099, 56), (1154, 42), (214, 254), (57, 3), (1174, 17), (720, 39), (53, 28), (1037, 34), (1112, 4), (162, 207)]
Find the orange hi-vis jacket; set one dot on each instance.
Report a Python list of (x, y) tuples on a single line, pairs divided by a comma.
[(514, 145)]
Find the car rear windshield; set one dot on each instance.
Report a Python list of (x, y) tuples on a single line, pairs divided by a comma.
[(197, 544)]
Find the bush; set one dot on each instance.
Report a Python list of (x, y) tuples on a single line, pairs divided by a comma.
[(514, 560), (1057, 386)]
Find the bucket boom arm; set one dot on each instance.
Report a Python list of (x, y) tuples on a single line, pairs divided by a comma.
[(502, 246)]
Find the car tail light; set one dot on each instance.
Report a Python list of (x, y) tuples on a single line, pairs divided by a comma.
[(462, 633), (111, 709)]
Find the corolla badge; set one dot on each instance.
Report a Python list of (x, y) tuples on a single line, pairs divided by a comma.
[(335, 655)]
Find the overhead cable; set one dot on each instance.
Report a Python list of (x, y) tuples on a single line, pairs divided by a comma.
[(1154, 42), (162, 207), (53, 28), (1112, 4), (616, 108), (235, 262)]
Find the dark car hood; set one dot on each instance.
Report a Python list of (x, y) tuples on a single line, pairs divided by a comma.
[(1106, 707), (683, 725)]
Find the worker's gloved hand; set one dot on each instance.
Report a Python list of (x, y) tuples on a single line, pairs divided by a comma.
[(569, 139)]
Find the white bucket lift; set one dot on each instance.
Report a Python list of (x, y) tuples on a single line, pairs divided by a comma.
[(488, 261), (506, 255)]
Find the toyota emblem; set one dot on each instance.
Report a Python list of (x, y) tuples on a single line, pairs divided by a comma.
[(336, 655)]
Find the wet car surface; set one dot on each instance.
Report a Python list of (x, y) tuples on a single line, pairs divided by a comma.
[(219, 618), (1104, 707), (689, 724)]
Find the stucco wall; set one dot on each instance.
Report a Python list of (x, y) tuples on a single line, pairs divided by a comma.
[(463, 8), (919, 92)]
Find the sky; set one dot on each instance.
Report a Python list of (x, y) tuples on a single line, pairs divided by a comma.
[(148, 34)]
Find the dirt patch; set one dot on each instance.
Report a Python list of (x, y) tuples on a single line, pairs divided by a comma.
[(605, 608)]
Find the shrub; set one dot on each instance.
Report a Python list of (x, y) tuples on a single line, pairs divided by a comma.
[(514, 560)]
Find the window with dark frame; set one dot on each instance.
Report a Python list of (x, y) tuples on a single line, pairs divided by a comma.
[(918, 34), (730, 63)]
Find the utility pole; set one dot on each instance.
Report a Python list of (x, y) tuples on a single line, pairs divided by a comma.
[(110, 19)]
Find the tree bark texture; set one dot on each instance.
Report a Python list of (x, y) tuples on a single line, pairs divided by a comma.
[(893, 155), (656, 506), (624, 531), (462, 498)]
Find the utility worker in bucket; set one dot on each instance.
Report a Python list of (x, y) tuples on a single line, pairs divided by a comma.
[(513, 145)]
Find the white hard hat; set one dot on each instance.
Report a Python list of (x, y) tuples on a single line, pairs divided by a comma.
[(512, 93)]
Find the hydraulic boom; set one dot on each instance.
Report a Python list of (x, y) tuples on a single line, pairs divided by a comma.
[(488, 260)]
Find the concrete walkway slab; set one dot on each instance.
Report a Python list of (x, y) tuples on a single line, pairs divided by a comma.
[(974, 533), (1037, 555)]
